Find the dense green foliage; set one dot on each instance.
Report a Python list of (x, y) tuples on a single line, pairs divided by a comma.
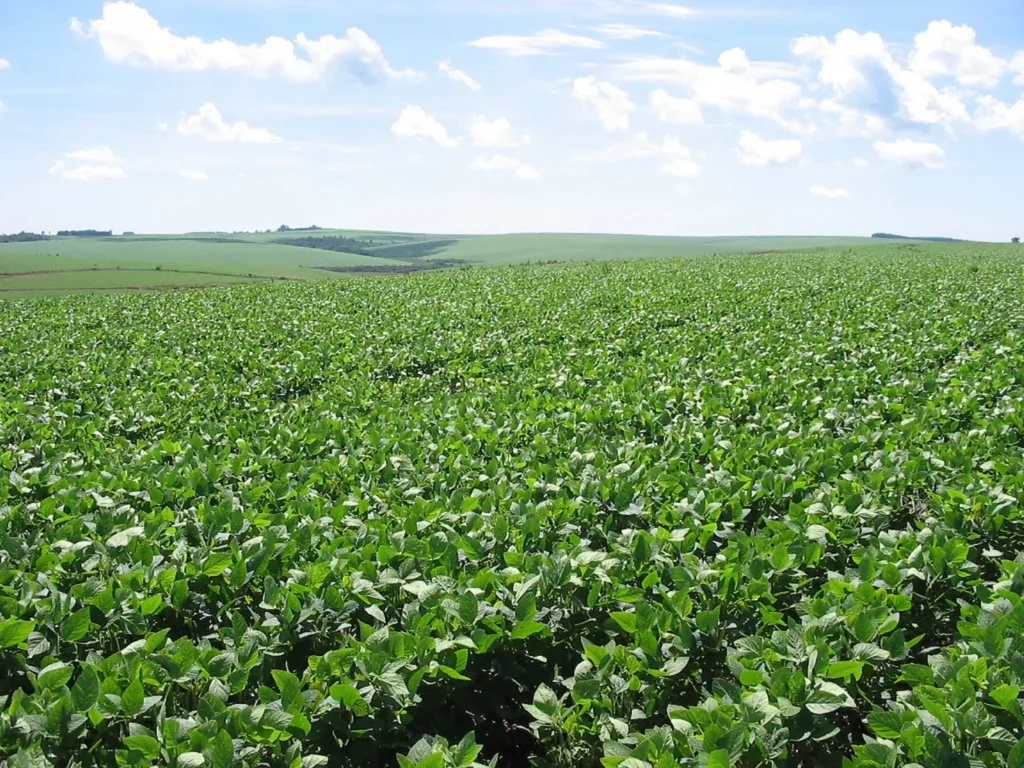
[(742, 511), (23, 237), (329, 243)]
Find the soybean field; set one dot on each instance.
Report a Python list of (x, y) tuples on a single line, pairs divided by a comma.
[(746, 510)]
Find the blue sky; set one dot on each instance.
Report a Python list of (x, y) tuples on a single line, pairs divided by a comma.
[(635, 116)]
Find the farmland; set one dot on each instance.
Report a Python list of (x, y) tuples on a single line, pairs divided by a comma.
[(747, 510), (68, 264)]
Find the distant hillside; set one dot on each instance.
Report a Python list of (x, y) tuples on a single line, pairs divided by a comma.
[(887, 236)]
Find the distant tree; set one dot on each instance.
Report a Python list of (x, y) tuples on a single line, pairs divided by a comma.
[(1016, 241)]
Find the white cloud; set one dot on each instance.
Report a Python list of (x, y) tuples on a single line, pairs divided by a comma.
[(867, 82), (612, 104), (162, 126), (193, 175), (128, 34), (1017, 65), (496, 133), (736, 85), (458, 76), (504, 163), (912, 153), (943, 50), (544, 42), (4, 63), (670, 109), (668, 9), (753, 150), (415, 123), (94, 155), (88, 172), (624, 32), (676, 159), (993, 114), (860, 162), (209, 124), (830, 193)]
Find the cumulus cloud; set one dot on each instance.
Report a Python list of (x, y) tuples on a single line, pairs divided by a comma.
[(193, 175), (90, 164), (993, 114), (87, 172), (415, 123), (624, 32), (612, 104), (670, 109), (676, 159), (1017, 65), (94, 155), (504, 163), (944, 50), (128, 34), (832, 193), (867, 82), (753, 150), (546, 41), (860, 162), (914, 154), (496, 133), (458, 76), (209, 124), (736, 85)]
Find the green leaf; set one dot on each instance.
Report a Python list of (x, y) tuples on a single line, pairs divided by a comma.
[(885, 725), (780, 557), (147, 745), (53, 677), (14, 632), (86, 691), (133, 699), (291, 690), (525, 629), (217, 563), (719, 759), (32, 757), (751, 677), (75, 626), (1005, 695), (626, 620), (707, 621), (222, 751), (350, 697), (123, 538), (191, 760), (469, 608), (1016, 757), (846, 670)]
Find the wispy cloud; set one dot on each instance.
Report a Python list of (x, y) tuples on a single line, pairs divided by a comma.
[(624, 32), (545, 42), (504, 163), (456, 75)]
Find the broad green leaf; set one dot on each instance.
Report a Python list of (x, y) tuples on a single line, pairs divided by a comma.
[(14, 632), (76, 626), (133, 699)]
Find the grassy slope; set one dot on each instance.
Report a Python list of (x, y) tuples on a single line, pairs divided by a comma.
[(516, 249), (206, 259)]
